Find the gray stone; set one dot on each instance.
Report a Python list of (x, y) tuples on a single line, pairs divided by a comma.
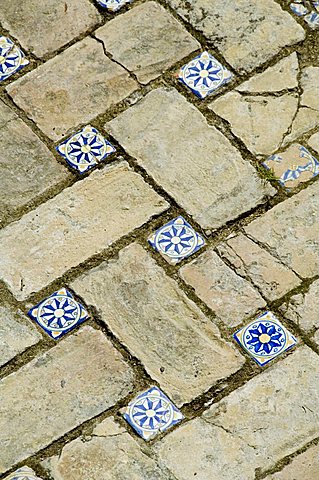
[(74, 381), (45, 26), (193, 161), (178, 345), (78, 223), (72, 88), (314, 142), (231, 297), (246, 32), (151, 40), (304, 466)]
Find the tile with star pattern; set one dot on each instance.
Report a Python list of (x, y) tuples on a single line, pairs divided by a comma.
[(113, 5), (12, 59), (23, 473)]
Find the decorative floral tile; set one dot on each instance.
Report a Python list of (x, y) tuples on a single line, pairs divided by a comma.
[(312, 19), (299, 7), (24, 473), (59, 313), (85, 149), (204, 75), (113, 5), (176, 240), (265, 338), (12, 58), (151, 412), (293, 166)]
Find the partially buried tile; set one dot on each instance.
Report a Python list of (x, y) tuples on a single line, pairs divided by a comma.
[(23, 473), (151, 412), (12, 59), (113, 5), (59, 313), (298, 8), (176, 240), (312, 19), (265, 338)]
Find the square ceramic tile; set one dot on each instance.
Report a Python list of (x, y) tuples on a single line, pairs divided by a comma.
[(176, 240), (12, 59), (113, 5), (59, 313), (299, 9), (204, 75), (85, 149), (293, 166), (151, 412), (24, 473), (265, 338)]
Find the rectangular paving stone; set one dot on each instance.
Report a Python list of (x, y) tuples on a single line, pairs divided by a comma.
[(304, 466), (230, 296), (78, 223), (43, 27), (76, 380), (143, 48), (191, 160), (178, 345), (71, 88), (16, 333), (290, 231), (247, 33), (27, 167)]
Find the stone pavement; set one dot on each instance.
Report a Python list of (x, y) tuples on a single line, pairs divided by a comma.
[(160, 208)]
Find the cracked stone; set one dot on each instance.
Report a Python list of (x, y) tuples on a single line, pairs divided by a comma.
[(208, 181), (266, 272), (314, 142), (304, 466), (143, 48), (178, 345), (231, 297), (248, 33)]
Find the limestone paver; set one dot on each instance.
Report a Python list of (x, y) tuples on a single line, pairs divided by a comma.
[(178, 345), (75, 225), (72, 88), (45, 26), (144, 47), (76, 380), (191, 160), (304, 466), (314, 142)]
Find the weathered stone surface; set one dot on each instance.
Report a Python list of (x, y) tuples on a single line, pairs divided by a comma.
[(290, 231), (27, 167), (276, 412), (16, 333), (76, 380), (112, 454), (304, 466), (72, 88), (194, 162), (45, 26), (246, 32), (231, 297), (75, 225), (266, 272), (178, 345), (314, 142), (144, 48)]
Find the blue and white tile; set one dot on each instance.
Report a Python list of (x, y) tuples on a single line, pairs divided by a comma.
[(315, 4), (85, 149), (204, 75), (12, 59), (299, 9), (265, 338), (176, 240), (151, 413), (113, 5), (23, 473), (58, 314), (312, 19)]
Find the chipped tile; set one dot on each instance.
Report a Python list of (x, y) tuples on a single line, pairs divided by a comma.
[(85, 149), (299, 9), (176, 240), (23, 473), (151, 413), (312, 19), (265, 338), (113, 5), (204, 75), (12, 59), (59, 313)]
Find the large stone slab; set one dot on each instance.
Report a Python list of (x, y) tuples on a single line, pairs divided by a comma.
[(144, 49), (178, 345), (78, 223), (304, 466), (72, 88), (76, 380), (247, 33), (193, 161)]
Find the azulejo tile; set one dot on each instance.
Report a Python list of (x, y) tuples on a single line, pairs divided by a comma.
[(12, 59), (293, 166), (59, 313), (151, 412), (24, 473), (265, 338), (113, 5), (299, 9), (85, 149), (312, 19), (176, 240), (204, 75)]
